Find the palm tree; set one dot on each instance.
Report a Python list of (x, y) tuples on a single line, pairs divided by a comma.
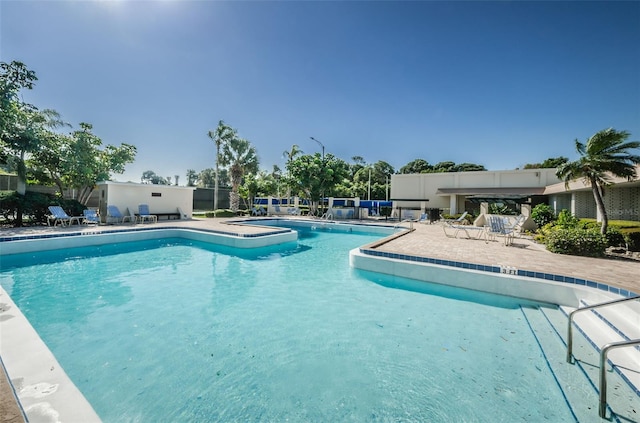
[(241, 157), (293, 153), (290, 155), (221, 136), (606, 153)]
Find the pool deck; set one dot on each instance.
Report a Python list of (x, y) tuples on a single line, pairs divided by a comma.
[(426, 240)]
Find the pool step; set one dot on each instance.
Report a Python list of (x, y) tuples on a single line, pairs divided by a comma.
[(622, 398), (578, 390), (605, 325)]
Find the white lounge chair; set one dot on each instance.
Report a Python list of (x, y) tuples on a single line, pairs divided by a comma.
[(517, 225), (496, 228), (452, 230), (459, 220)]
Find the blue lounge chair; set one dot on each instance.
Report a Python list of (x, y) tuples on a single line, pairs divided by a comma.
[(145, 215), (90, 216), (113, 213), (58, 215)]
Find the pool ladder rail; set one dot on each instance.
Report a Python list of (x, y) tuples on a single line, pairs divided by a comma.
[(602, 409), (397, 225)]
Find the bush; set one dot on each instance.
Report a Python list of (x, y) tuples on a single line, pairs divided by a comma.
[(542, 214), (34, 206), (220, 213), (614, 237), (579, 242), (567, 220), (632, 239)]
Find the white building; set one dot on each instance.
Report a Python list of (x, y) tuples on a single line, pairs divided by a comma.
[(164, 201), (456, 192)]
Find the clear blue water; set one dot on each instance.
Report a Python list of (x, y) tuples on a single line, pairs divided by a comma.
[(175, 330)]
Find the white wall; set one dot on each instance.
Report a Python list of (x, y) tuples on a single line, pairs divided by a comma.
[(425, 185), (127, 195)]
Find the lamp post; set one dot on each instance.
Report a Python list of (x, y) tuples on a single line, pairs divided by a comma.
[(322, 183), (321, 145)]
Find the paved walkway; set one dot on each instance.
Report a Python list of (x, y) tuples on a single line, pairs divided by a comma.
[(524, 254), (425, 240)]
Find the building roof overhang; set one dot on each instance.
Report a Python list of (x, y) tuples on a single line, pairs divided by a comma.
[(514, 192)]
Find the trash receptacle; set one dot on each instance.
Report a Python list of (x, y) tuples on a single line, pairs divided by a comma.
[(434, 215)]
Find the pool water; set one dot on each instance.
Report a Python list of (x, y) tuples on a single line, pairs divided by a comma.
[(177, 330)]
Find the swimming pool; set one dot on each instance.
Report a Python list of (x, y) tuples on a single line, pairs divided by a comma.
[(178, 329)]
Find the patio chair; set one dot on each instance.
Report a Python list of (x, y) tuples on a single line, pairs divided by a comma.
[(90, 217), (516, 225), (424, 218), (58, 215), (496, 228), (258, 211), (145, 215), (113, 213), (478, 231), (460, 220)]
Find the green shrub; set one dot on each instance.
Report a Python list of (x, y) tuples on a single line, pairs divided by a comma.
[(632, 239), (579, 242), (501, 209), (567, 220), (542, 214), (34, 207), (543, 232), (614, 237), (220, 213)]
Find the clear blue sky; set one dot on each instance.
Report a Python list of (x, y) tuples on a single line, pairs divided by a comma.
[(495, 83)]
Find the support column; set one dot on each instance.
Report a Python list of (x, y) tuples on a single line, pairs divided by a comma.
[(453, 204)]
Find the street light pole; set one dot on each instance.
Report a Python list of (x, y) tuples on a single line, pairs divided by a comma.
[(321, 145), (322, 184)]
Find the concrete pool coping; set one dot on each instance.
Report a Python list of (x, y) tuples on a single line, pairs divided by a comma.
[(427, 241)]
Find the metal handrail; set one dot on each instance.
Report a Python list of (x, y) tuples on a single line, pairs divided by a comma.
[(397, 225), (570, 326), (603, 370)]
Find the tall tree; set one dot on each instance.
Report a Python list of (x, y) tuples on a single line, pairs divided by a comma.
[(241, 157), (416, 166), (549, 163), (77, 160), (220, 136), (150, 177), (289, 155), (294, 152), (192, 177), (605, 154), (315, 177), (20, 123)]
